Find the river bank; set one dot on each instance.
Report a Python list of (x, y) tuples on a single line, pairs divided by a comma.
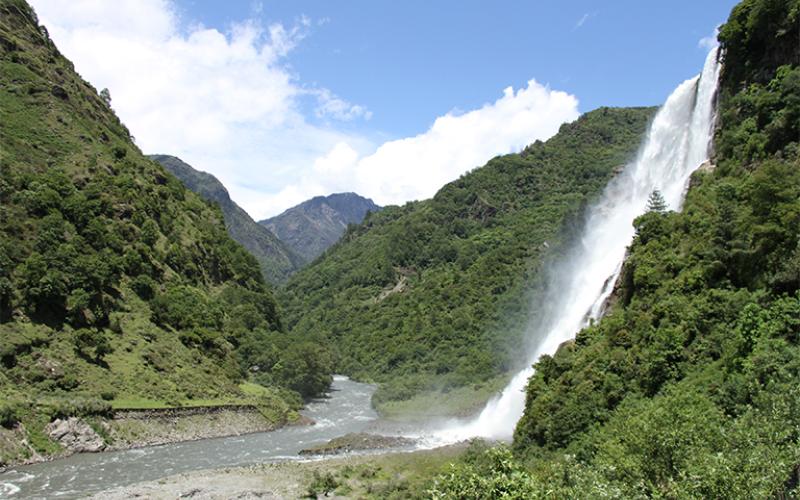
[(135, 429), (350, 476), (345, 410), (462, 402), (132, 429)]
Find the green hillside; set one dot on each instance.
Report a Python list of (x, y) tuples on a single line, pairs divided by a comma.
[(431, 295), (118, 286), (690, 388), (276, 259)]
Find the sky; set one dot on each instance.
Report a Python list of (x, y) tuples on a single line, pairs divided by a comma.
[(286, 100)]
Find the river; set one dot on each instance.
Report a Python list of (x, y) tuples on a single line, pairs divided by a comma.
[(346, 409)]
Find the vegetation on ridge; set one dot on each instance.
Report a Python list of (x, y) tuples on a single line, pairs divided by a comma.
[(690, 388), (432, 295), (276, 259)]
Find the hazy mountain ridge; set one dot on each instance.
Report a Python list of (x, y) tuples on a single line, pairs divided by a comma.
[(276, 259), (313, 226)]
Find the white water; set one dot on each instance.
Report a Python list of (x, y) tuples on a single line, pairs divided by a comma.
[(676, 144)]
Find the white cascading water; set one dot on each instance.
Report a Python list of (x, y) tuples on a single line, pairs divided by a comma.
[(677, 143)]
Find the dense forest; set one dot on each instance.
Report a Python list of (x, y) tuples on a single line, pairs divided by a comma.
[(118, 286), (690, 387), (433, 295)]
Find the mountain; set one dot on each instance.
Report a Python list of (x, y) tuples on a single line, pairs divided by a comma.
[(432, 296), (313, 226), (118, 286), (690, 386), (276, 260)]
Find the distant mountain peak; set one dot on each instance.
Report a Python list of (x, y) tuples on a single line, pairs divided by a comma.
[(315, 224)]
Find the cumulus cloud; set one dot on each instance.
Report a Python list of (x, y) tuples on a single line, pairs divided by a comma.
[(226, 102), (416, 167)]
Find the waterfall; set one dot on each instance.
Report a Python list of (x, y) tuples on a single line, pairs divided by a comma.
[(677, 142)]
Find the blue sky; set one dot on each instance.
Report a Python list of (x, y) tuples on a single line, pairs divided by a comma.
[(285, 100), (411, 61)]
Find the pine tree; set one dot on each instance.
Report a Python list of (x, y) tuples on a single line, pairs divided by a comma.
[(656, 202)]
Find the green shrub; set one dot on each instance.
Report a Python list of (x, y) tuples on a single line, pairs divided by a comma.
[(10, 413), (144, 286), (183, 307), (322, 484), (75, 407)]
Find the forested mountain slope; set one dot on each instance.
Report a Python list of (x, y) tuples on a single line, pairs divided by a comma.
[(313, 226), (276, 259), (116, 282), (690, 388), (432, 295)]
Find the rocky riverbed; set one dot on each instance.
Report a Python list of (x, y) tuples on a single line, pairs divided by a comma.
[(349, 476)]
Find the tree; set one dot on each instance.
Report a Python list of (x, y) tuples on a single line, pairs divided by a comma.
[(150, 232), (656, 202), (105, 95)]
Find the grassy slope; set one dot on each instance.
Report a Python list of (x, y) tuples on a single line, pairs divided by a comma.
[(462, 261), (276, 259), (86, 219)]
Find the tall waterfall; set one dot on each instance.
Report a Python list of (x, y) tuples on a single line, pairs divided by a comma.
[(677, 142)]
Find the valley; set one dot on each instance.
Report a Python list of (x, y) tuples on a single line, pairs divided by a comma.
[(611, 310)]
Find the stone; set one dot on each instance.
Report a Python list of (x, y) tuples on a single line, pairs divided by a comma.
[(75, 435)]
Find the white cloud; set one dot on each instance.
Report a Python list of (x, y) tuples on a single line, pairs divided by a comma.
[(335, 107), (226, 103), (582, 21), (416, 167), (709, 42)]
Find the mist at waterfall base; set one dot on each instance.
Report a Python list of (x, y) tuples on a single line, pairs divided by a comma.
[(579, 283)]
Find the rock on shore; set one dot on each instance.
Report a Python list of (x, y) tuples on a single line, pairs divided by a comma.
[(75, 435)]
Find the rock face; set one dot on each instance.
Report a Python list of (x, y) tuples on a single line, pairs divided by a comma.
[(313, 226), (75, 435), (276, 259)]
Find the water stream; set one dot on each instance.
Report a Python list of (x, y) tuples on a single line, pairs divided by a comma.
[(347, 409)]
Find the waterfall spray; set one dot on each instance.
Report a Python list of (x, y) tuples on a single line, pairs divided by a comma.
[(677, 142)]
